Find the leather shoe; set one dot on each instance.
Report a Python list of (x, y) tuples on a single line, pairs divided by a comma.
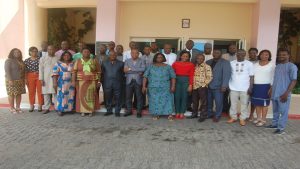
[(216, 119), (127, 114), (139, 115), (242, 122), (194, 115), (201, 119), (46, 112), (108, 113), (231, 120)]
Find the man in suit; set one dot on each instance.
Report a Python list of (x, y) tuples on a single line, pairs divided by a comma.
[(134, 69), (221, 71), (112, 72), (194, 52)]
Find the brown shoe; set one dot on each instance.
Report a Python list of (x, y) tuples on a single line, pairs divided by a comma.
[(242, 122), (231, 120)]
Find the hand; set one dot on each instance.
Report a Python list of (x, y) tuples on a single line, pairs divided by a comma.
[(126, 69), (249, 91), (42, 82), (270, 92), (144, 90), (55, 87), (98, 85), (172, 90), (190, 88), (283, 98), (223, 89)]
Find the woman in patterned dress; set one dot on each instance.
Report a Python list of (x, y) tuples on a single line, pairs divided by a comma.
[(160, 78), (62, 83), (86, 78), (15, 79)]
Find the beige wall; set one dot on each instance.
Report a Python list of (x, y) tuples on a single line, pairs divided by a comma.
[(163, 19)]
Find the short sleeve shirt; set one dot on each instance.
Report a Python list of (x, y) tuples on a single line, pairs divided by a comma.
[(283, 76), (32, 65)]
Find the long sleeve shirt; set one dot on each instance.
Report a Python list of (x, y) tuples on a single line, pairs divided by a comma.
[(184, 69)]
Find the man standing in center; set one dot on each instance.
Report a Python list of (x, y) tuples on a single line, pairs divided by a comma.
[(240, 84), (112, 71), (134, 69)]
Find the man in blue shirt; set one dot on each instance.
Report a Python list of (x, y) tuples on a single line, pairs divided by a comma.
[(285, 79)]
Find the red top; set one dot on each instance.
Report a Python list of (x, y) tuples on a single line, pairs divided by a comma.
[(184, 69)]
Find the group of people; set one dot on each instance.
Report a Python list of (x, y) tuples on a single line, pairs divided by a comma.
[(206, 83)]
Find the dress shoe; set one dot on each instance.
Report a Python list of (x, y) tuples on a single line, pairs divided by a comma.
[(271, 127), (190, 109), (242, 122), (181, 116), (60, 113), (193, 116), (46, 112), (108, 113), (231, 120), (139, 115), (216, 119), (201, 119), (127, 114), (117, 114)]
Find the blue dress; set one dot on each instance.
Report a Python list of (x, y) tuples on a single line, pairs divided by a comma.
[(65, 89), (159, 81)]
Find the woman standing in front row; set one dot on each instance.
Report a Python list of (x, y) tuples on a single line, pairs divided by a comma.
[(62, 83), (184, 70), (86, 78), (161, 86), (15, 79), (32, 74), (263, 79)]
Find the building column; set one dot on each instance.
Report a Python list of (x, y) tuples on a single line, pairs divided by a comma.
[(107, 20), (265, 25)]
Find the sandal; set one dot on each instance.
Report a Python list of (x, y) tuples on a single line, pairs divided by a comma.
[(155, 118), (256, 121), (19, 110), (13, 110), (260, 123), (170, 118)]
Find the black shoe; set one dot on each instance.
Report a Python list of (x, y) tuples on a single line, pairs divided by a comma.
[(139, 115), (46, 112), (278, 131), (190, 109), (201, 119), (127, 114), (193, 116), (108, 113), (117, 114), (271, 127), (60, 113)]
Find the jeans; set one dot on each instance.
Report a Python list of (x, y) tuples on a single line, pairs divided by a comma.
[(217, 96)]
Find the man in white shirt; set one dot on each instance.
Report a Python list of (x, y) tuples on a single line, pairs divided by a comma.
[(207, 51), (170, 57), (240, 84), (127, 54)]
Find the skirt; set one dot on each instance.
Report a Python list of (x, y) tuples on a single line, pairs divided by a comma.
[(15, 89), (260, 95)]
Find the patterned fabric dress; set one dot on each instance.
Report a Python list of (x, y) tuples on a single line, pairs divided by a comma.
[(65, 89), (160, 98), (87, 77), (15, 72)]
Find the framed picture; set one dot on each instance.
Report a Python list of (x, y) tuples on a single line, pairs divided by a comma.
[(185, 23)]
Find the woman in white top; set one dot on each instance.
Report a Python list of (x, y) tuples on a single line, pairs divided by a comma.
[(263, 78)]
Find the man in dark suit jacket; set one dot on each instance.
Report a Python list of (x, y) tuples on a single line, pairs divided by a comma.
[(221, 71), (189, 47), (113, 75)]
